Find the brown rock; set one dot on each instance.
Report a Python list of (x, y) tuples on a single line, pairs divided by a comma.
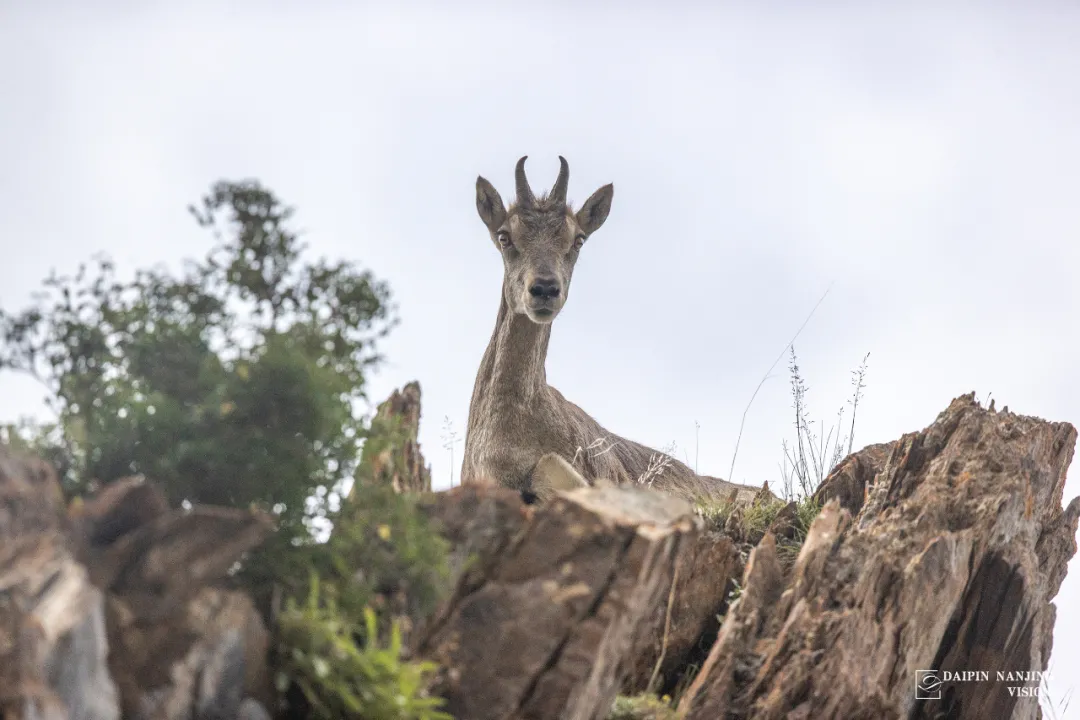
[(711, 693), (120, 507), (707, 569), (392, 454), (543, 619), (30, 516), (786, 523), (200, 663), (848, 482), (52, 634), (175, 647), (949, 566), (180, 648), (159, 567)]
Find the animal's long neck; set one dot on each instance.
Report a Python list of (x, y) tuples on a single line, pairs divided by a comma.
[(513, 366)]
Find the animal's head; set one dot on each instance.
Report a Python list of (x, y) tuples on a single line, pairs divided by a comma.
[(539, 239)]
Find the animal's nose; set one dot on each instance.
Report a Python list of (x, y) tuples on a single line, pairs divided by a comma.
[(545, 288)]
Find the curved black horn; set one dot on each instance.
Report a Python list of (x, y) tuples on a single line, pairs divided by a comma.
[(558, 192), (524, 193)]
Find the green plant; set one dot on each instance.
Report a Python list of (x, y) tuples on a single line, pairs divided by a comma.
[(234, 381), (642, 707), (806, 509), (759, 515), (714, 513), (343, 669), (381, 570), (383, 551), (811, 457), (787, 550)]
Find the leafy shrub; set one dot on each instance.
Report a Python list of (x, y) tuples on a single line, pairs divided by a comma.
[(343, 669), (383, 552), (383, 568)]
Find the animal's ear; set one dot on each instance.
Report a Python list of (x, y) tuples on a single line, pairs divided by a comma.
[(595, 210), (489, 204)]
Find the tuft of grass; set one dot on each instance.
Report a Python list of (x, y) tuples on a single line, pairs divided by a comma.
[(759, 516), (806, 510), (714, 513), (659, 462), (642, 707), (811, 457), (787, 550)]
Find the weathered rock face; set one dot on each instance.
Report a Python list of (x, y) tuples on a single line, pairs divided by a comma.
[(682, 628), (400, 463), (940, 551), (850, 481), (111, 612), (553, 599), (949, 566), (52, 635), (201, 663), (180, 648)]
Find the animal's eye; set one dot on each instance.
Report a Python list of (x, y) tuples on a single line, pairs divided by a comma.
[(579, 241), (504, 238)]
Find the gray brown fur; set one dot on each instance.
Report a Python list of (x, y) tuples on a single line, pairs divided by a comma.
[(515, 417)]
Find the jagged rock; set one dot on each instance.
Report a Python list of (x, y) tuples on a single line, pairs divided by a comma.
[(786, 523), (545, 613), (480, 522), (738, 494), (705, 575), (117, 509), (180, 648), (52, 639), (849, 481), (199, 664), (950, 565), (159, 567), (110, 608), (392, 453)]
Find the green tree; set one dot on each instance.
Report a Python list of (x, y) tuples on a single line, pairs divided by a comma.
[(235, 381), (240, 381)]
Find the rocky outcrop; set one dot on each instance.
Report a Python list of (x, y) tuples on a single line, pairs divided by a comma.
[(553, 597), (394, 458), (949, 566), (934, 555), (682, 628), (53, 643), (938, 552), (112, 611)]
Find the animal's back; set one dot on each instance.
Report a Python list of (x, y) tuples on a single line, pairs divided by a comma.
[(601, 455)]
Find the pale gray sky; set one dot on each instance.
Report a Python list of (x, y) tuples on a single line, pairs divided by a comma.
[(926, 160)]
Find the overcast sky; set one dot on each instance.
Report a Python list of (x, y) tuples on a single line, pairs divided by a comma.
[(924, 162)]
